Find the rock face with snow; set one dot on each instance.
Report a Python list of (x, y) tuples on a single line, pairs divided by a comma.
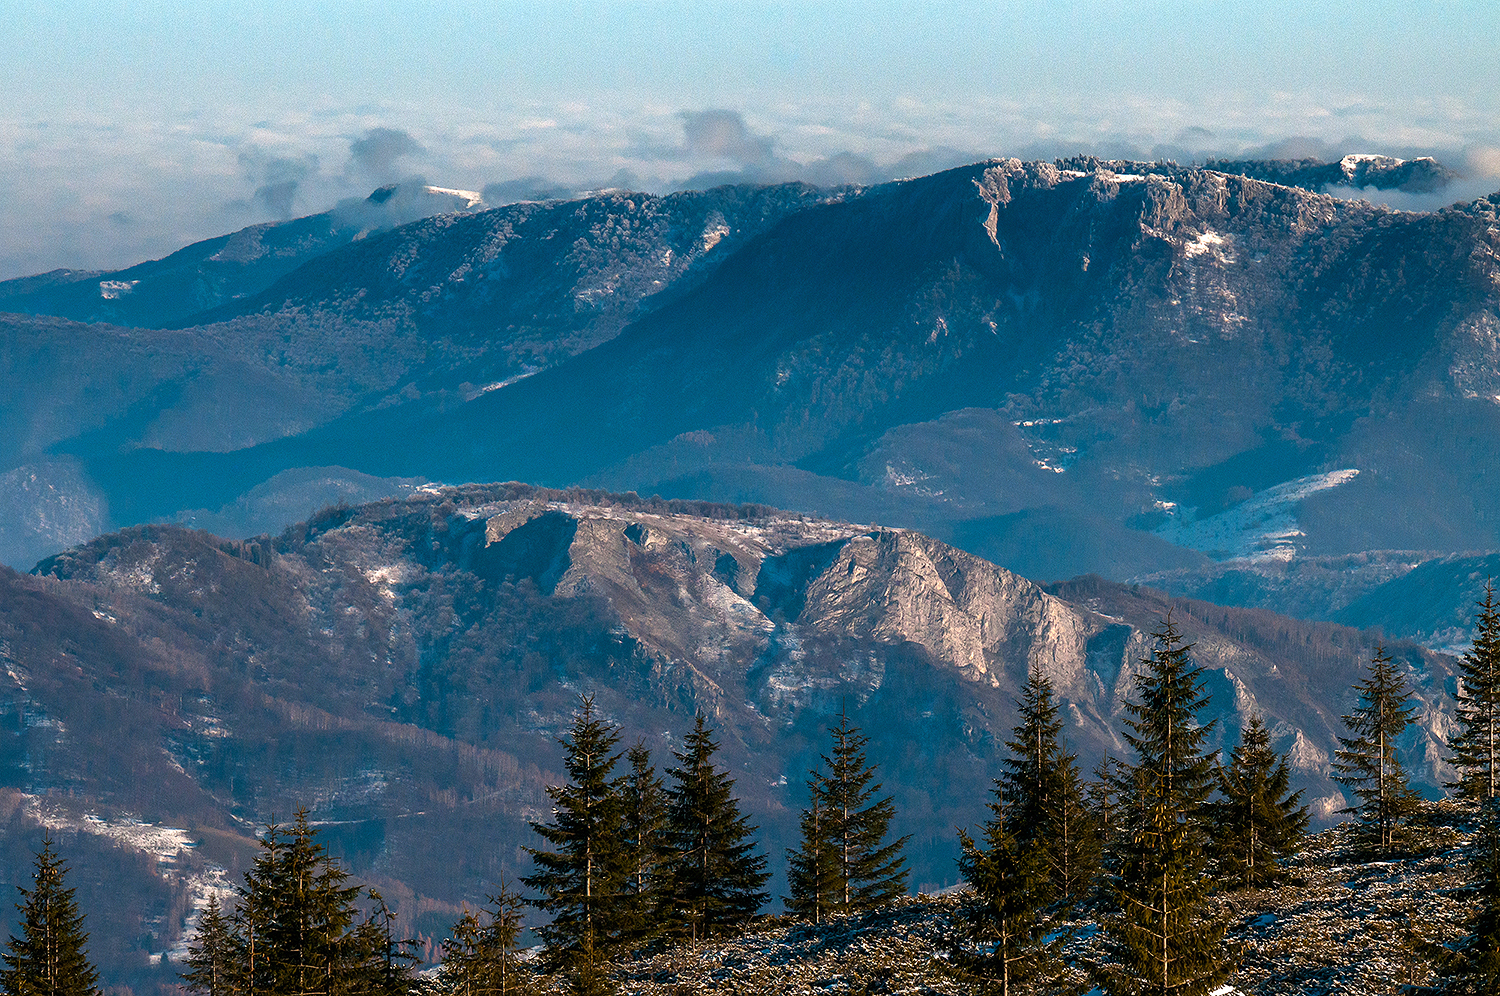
[(1421, 175), (403, 669)]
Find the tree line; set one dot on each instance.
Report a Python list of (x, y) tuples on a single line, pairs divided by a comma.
[(1156, 834), (633, 861)]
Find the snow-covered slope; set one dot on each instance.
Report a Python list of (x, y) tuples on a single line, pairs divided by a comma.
[(1262, 527)]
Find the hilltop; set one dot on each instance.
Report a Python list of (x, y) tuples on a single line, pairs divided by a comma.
[(1349, 925)]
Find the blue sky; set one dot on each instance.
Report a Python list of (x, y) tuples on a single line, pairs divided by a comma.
[(129, 130)]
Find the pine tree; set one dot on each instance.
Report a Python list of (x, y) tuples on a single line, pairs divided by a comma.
[(1476, 748), (49, 957), (718, 881), (1075, 858), (1257, 824), (1368, 764), (869, 871), (314, 911), (813, 869), (643, 827), (211, 957), (1002, 918), (296, 930), (582, 882), (1043, 799), (480, 957), (1163, 937)]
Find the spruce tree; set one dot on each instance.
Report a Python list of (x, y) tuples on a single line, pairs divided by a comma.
[(1103, 796), (1075, 857), (869, 871), (1005, 931), (1163, 937), (717, 879), (1257, 824), (49, 957), (466, 958), (374, 961), (1368, 764), (582, 881), (1043, 799), (813, 869), (480, 957), (211, 957), (296, 930), (254, 909), (1476, 748), (643, 826), (314, 912), (1029, 784), (296, 926)]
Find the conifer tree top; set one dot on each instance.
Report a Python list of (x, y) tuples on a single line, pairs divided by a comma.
[(48, 958), (1475, 747), (717, 877), (1368, 764), (1162, 723)]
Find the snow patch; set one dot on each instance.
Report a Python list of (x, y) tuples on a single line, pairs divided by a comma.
[(471, 198), (1047, 451), (386, 574), (713, 235), (1209, 243), (904, 477), (140, 575), (1261, 528), (383, 577), (513, 378), (168, 845), (113, 290)]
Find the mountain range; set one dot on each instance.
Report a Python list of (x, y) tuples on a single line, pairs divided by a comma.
[(403, 670), (1021, 413), (1140, 370)]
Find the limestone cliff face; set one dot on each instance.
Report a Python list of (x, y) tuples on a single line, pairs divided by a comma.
[(715, 595), (785, 614)]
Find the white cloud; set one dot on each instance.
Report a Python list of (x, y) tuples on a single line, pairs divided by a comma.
[(91, 190)]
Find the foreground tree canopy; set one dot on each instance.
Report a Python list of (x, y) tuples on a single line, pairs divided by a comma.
[(298, 929), (49, 958)]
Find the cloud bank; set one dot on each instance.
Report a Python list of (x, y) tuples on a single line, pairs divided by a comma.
[(98, 192)]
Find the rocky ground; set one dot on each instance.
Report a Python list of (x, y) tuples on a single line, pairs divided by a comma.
[(1349, 924)]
